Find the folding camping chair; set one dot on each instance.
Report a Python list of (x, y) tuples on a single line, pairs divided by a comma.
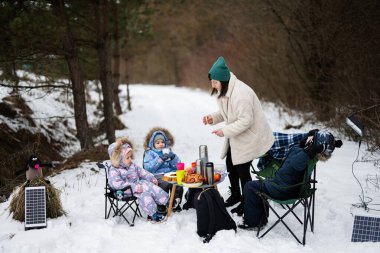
[(306, 199), (269, 169), (127, 202)]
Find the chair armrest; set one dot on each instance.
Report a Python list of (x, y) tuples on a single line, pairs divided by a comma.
[(253, 170), (100, 165), (260, 177), (126, 188)]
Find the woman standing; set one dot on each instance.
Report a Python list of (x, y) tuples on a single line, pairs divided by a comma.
[(246, 131)]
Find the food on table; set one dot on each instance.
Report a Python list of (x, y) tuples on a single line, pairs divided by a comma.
[(192, 178), (191, 170), (217, 177), (170, 177)]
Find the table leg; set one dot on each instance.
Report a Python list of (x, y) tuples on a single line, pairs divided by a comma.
[(171, 199)]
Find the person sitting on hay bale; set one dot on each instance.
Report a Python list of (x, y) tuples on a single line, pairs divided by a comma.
[(34, 178)]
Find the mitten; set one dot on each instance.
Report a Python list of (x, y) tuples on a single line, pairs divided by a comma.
[(165, 157), (312, 150), (312, 132), (338, 143), (171, 155), (166, 154)]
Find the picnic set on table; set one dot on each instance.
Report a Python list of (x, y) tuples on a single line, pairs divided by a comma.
[(201, 174)]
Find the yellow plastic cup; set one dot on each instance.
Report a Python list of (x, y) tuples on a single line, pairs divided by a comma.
[(180, 173)]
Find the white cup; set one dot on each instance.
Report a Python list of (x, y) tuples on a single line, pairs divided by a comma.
[(165, 151)]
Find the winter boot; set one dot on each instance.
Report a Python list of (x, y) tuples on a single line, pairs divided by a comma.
[(245, 226), (239, 210), (234, 198), (177, 205), (157, 217), (162, 210)]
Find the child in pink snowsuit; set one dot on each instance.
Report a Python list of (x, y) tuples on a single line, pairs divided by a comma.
[(124, 172)]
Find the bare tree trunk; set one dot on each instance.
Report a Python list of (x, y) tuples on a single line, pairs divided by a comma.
[(16, 79), (102, 35), (72, 58), (125, 58), (128, 96), (116, 57)]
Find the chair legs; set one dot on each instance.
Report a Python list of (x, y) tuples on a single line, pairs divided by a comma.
[(119, 211), (308, 213)]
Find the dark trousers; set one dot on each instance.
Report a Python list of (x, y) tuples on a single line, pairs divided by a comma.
[(236, 172), (168, 187), (256, 212)]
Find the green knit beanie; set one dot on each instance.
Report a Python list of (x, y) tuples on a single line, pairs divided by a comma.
[(219, 70)]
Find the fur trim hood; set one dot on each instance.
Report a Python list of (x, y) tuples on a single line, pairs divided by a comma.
[(155, 130), (115, 150)]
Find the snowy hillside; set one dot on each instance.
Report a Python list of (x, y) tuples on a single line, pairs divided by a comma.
[(180, 110)]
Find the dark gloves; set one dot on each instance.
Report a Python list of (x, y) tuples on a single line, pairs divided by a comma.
[(165, 154), (338, 143), (165, 157), (313, 149), (312, 132)]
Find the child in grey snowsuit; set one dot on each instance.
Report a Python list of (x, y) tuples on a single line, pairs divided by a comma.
[(160, 159), (124, 172)]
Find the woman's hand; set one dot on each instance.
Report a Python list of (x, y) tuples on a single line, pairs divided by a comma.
[(218, 132), (207, 119)]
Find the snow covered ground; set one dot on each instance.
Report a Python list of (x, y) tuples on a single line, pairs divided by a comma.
[(84, 229)]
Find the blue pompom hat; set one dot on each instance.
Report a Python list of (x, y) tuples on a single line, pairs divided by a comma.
[(327, 140)]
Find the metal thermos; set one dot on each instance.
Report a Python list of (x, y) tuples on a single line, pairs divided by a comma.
[(210, 173), (199, 167), (203, 154)]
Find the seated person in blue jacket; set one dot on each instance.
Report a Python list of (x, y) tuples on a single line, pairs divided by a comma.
[(124, 172), (283, 142), (160, 159), (286, 182)]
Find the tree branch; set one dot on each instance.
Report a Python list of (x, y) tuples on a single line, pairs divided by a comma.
[(34, 87)]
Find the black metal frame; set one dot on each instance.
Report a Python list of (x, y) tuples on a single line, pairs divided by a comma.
[(115, 207), (308, 203)]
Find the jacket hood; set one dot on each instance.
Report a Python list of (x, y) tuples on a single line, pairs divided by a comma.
[(169, 138), (115, 150)]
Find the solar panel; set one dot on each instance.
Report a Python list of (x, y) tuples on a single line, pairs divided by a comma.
[(366, 229), (35, 207)]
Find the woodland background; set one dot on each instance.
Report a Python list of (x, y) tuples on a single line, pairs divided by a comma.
[(318, 57)]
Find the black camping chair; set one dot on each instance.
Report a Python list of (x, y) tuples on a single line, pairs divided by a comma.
[(127, 202), (306, 199)]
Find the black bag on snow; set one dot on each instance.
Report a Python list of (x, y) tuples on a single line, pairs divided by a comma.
[(190, 198), (212, 215)]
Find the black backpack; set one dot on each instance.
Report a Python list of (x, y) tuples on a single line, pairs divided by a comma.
[(212, 215), (190, 197)]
